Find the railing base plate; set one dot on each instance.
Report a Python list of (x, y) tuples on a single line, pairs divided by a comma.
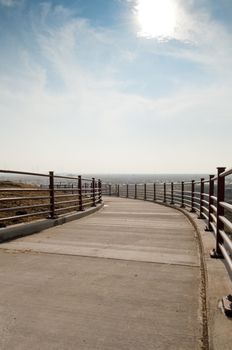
[(214, 255), (227, 305)]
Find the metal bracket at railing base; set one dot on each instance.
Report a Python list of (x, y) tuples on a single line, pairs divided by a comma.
[(227, 305), (215, 255)]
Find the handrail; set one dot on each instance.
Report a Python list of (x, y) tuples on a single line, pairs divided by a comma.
[(16, 172), (205, 197), (26, 201)]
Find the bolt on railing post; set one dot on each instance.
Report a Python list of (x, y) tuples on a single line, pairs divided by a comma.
[(135, 191), (182, 194), (99, 191), (216, 253), (154, 192), (80, 193), (211, 193), (52, 195), (172, 193), (145, 192), (127, 191), (94, 193), (201, 198), (110, 190), (164, 200), (192, 196)]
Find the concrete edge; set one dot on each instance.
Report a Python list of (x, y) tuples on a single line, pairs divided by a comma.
[(25, 229)]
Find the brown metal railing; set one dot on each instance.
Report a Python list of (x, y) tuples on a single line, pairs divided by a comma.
[(50, 196), (206, 198)]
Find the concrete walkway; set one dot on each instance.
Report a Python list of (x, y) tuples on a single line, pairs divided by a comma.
[(124, 278)]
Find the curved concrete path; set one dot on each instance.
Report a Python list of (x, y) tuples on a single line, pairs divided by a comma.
[(126, 277)]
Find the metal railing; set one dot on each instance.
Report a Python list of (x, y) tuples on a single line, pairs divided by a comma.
[(206, 198), (50, 196)]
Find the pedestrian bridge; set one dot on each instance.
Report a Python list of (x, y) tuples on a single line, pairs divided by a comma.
[(126, 277)]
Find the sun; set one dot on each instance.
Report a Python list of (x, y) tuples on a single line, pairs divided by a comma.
[(157, 18)]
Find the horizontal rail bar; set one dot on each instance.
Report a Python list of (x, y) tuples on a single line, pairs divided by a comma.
[(24, 207), (226, 222), (213, 217), (22, 198), (205, 209), (226, 173), (23, 190), (226, 206), (212, 224), (226, 239), (66, 202), (205, 216), (66, 208), (214, 208), (24, 216), (226, 256), (22, 173)]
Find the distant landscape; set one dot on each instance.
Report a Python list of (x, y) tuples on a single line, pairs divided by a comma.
[(118, 178)]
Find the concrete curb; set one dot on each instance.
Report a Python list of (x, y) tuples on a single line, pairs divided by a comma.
[(25, 229)]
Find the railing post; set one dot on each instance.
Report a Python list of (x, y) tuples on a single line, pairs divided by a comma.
[(201, 198), (135, 191), (110, 190), (145, 192), (85, 187), (94, 193), (211, 193), (172, 193), (127, 191), (99, 191), (164, 201), (118, 191), (182, 194), (154, 192), (52, 195), (80, 193), (216, 253), (192, 196)]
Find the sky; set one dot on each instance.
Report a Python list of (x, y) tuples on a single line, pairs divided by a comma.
[(116, 86)]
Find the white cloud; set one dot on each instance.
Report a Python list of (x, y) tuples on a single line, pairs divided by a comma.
[(93, 123), (9, 3)]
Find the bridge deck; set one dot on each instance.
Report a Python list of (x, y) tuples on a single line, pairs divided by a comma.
[(126, 277)]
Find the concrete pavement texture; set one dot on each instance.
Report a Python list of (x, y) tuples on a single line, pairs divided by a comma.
[(127, 277)]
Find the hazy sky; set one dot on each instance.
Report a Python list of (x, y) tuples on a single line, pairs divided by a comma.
[(116, 86)]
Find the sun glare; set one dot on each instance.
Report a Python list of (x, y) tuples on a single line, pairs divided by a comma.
[(157, 18)]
